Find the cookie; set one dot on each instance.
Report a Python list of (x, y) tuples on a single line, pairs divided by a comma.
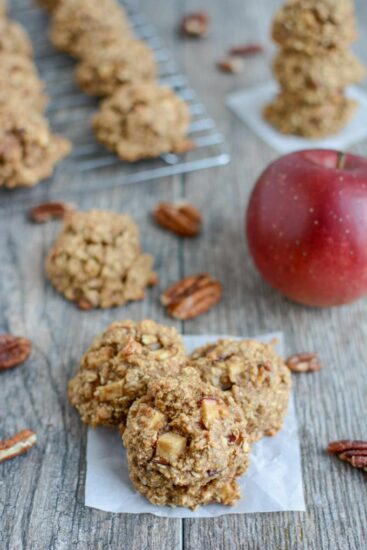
[(186, 443), (19, 80), (143, 120), (29, 151), (117, 367), (254, 375), (311, 25), (106, 69), (77, 19), (314, 77), (97, 261), (14, 39), (291, 115)]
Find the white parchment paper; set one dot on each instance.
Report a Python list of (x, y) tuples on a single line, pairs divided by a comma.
[(248, 106), (273, 482)]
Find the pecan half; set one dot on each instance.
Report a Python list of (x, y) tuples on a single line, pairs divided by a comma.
[(352, 451), (17, 445), (304, 362), (246, 50), (180, 218), (50, 211), (14, 350), (195, 25), (232, 65), (192, 296)]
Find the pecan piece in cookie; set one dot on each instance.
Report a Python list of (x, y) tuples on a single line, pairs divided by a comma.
[(192, 296), (14, 350), (181, 218)]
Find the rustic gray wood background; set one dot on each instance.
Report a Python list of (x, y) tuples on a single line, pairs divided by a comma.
[(42, 494)]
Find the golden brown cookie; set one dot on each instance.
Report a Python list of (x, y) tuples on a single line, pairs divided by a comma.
[(313, 25), (77, 19), (19, 80), (14, 39), (29, 151), (97, 261), (291, 115), (117, 367), (143, 120), (315, 77), (104, 70), (186, 443), (254, 375)]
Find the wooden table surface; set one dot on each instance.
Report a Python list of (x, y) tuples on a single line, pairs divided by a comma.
[(42, 494)]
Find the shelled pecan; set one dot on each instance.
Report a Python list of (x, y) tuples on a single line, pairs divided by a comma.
[(352, 451), (304, 362), (50, 211), (17, 445), (246, 50), (192, 296), (180, 218), (232, 65), (14, 350), (196, 24)]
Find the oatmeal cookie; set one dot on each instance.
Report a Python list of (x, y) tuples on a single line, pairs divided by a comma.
[(117, 367), (143, 120), (76, 19), (186, 443), (97, 261), (291, 115), (104, 70), (314, 77), (29, 151), (14, 39), (254, 375), (19, 81), (312, 25)]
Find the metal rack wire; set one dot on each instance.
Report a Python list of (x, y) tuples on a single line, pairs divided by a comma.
[(70, 110)]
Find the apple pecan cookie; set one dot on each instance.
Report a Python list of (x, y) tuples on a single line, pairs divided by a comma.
[(254, 375), (29, 150), (116, 369), (143, 120), (14, 39), (290, 114), (97, 260), (75, 19), (19, 79), (311, 25), (104, 69), (186, 443)]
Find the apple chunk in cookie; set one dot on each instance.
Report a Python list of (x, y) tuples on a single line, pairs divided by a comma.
[(116, 369), (186, 443), (254, 375)]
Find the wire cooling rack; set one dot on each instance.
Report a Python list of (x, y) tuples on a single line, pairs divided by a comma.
[(70, 111)]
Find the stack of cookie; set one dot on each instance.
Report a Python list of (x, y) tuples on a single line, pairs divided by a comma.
[(313, 67), (187, 422), (29, 150), (139, 118)]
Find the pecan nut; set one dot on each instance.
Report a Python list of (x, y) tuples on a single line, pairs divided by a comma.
[(192, 296), (352, 451), (180, 218), (246, 50), (232, 65), (50, 211), (304, 362), (17, 445), (14, 350), (195, 24)]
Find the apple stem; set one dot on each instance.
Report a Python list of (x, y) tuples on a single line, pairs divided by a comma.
[(341, 160)]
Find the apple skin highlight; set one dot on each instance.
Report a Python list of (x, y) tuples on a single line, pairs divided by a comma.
[(306, 227)]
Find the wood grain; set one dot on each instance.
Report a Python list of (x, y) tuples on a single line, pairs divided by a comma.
[(42, 494)]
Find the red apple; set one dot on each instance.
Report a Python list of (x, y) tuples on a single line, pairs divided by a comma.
[(307, 227)]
